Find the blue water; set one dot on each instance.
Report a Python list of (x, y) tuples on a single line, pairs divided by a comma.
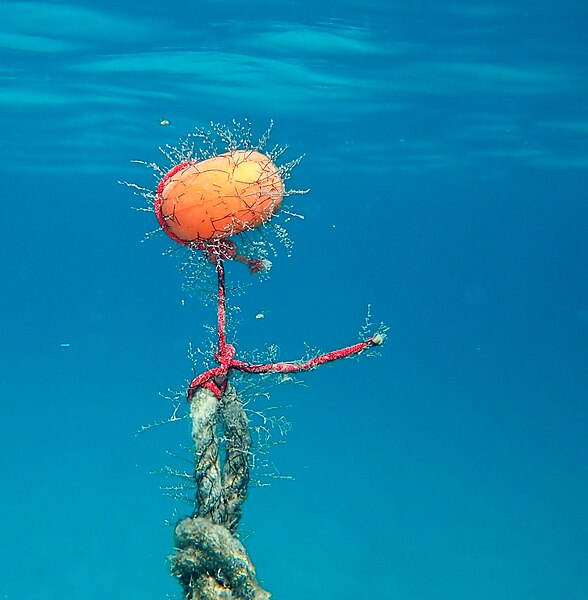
[(447, 151)]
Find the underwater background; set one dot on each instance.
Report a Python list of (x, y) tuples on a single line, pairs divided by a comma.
[(446, 149)]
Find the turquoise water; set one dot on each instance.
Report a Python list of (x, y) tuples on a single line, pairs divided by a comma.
[(446, 151)]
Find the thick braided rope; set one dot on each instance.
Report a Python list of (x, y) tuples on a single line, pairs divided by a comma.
[(237, 459), (209, 561), (204, 409)]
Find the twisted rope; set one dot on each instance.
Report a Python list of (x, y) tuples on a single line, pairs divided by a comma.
[(210, 562)]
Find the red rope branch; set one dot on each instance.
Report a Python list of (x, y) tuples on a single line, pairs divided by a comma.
[(296, 367)]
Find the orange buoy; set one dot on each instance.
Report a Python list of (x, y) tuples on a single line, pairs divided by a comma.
[(218, 197)]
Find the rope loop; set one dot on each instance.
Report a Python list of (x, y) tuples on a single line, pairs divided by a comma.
[(210, 563)]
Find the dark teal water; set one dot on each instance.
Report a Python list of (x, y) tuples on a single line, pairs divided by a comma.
[(447, 151)]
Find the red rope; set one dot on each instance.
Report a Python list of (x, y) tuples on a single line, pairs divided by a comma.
[(215, 379), (296, 367), (222, 312)]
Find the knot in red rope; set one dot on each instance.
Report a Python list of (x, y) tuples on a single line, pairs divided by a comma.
[(225, 354)]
